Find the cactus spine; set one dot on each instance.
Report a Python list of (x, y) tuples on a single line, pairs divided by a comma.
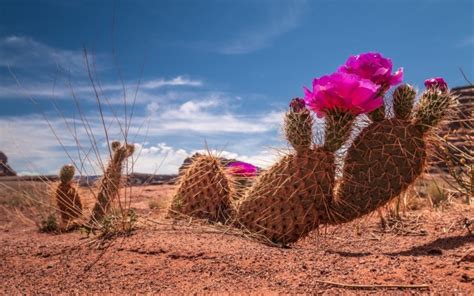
[(67, 198), (111, 181)]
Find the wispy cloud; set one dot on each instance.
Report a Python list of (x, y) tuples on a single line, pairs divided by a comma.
[(25, 52), (281, 19), (468, 41), (33, 147), (62, 89)]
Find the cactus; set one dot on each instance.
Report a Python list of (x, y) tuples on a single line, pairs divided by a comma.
[(67, 198), (204, 190), (296, 195), (291, 198), (111, 181), (388, 155)]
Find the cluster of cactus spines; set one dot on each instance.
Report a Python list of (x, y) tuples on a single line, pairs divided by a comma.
[(291, 198), (403, 100), (204, 191), (338, 127), (378, 114), (111, 181), (387, 156), (432, 108), (67, 198)]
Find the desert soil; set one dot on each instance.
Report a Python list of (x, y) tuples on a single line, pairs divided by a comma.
[(433, 249)]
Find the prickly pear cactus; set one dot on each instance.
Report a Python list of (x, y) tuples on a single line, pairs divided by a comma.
[(290, 199), (111, 181), (67, 198), (388, 155), (204, 191)]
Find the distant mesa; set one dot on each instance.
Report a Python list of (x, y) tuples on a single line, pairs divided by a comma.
[(5, 169)]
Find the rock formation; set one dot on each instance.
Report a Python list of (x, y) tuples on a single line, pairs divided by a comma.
[(5, 169)]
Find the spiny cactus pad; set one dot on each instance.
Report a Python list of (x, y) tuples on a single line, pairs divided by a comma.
[(403, 99), (381, 163), (299, 125), (388, 156), (204, 190), (290, 199)]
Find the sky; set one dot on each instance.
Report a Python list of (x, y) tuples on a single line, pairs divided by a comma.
[(178, 77)]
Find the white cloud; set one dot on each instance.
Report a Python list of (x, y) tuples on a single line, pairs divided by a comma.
[(164, 159), (63, 90), (33, 147), (25, 52), (200, 117), (177, 81)]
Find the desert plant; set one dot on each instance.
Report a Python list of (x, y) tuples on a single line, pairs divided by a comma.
[(49, 224), (111, 181), (67, 197), (460, 164), (243, 174), (389, 154), (204, 190), (296, 195)]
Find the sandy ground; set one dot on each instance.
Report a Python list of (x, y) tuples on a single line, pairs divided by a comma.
[(428, 252)]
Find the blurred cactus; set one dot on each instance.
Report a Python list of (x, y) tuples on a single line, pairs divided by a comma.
[(67, 198), (460, 164), (204, 190), (112, 180)]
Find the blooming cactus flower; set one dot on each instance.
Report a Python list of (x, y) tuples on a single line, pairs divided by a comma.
[(297, 105), (240, 168), (436, 82), (344, 92), (375, 67)]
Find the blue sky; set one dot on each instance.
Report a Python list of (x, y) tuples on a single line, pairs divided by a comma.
[(215, 73)]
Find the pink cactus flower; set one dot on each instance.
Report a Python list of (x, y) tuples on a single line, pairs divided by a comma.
[(436, 82), (344, 92), (297, 105), (375, 67), (243, 169)]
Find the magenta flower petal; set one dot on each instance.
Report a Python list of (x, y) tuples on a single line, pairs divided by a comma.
[(375, 67), (342, 92), (243, 169), (436, 82)]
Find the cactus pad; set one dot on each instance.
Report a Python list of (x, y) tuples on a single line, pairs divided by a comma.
[(381, 163), (290, 199), (204, 191)]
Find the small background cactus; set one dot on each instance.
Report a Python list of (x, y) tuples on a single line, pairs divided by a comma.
[(67, 197), (112, 180)]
